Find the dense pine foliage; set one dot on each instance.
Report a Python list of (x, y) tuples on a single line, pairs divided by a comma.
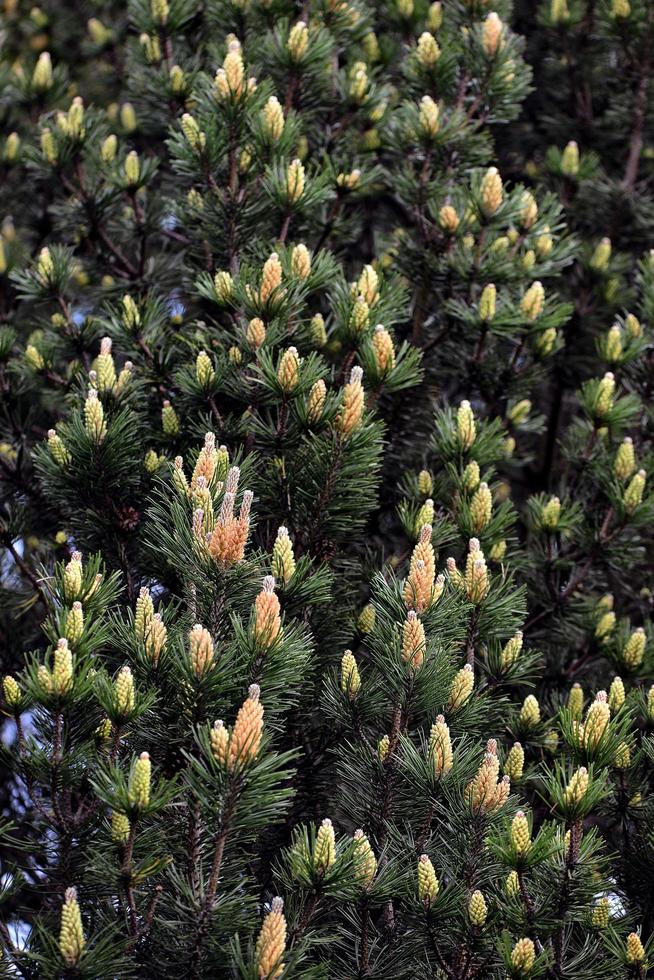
[(326, 453)]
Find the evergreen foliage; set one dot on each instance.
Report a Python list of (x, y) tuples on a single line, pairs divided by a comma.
[(325, 483)]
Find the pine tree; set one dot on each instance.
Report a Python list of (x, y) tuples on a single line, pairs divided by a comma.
[(325, 474)]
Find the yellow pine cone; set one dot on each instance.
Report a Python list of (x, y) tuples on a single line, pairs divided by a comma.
[(138, 787), (271, 278), (488, 303), (605, 625), (75, 624), (256, 332), (318, 330), (124, 698), (435, 16), (169, 420), (159, 11), (143, 614), (511, 650), (633, 325), (288, 372), (44, 678), (34, 358), (295, 181), (549, 516), (477, 583), (358, 77), (577, 786), (201, 650), (576, 700), (515, 762), (530, 712), (600, 917), (461, 689), (229, 536), (104, 366), (359, 317), (485, 793), (205, 465), (633, 652), (11, 691), (523, 956), (520, 835), (316, 401), (465, 425), (350, 677), (298, 41), (622, 757), (624, 463), (425, 483), (368, 285), (634, 949), (57, 449), (512, 883), (132, 168), (597, 719), (219, 737), (613, 348), (273, 119), (544, 243), (350, 415), (94, 417), (324, 852), (601, 256), (62, 670), (440, 746), (365, 862), (570, 160), (427, 50), (152, 462), (385, 744), (498, 550), (425, 515), (245, 740), (448, 219), (223, 286), (532, 301), (413, 641), (204, 369), (267, 621), (71, 933), (477, 909), (545, 342), (481, 507), (42, 75), (229, 81), (366, 620), (301, 262), (427, 881), (384, 351), (492, 191), (604, 395), (49, 148), (616, 694), (633, 495), (492, 34), (529, 209), (120, 827), (283, 559), (429, 113), (271, 942)]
